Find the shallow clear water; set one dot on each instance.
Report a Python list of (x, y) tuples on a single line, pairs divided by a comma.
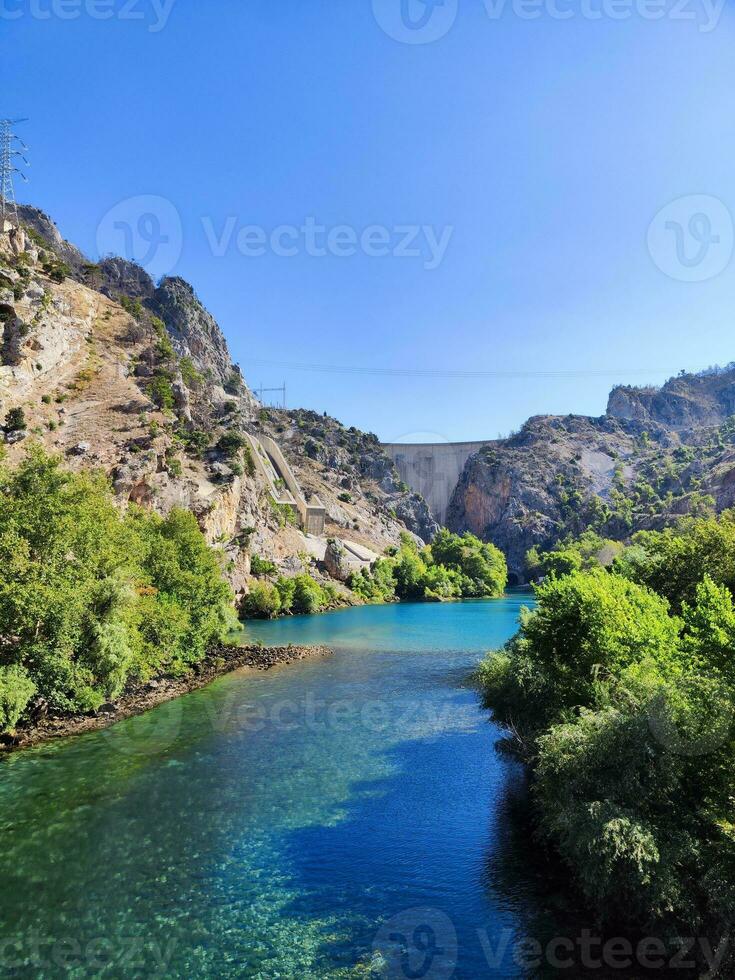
[(344, 817)]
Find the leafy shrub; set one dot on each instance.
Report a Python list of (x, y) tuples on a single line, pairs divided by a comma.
[(132, 306), (91, 597), (56, 270), (161, 392), (625, 712), (233, 383), (196, 441), (248, 461), (261, 566), (452, 567), (284, 513), (231, 443), (16, 690), (191, 377), (15, 420), (263, 601)]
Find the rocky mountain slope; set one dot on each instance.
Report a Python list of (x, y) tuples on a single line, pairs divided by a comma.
[(657, 454), (100, 364)]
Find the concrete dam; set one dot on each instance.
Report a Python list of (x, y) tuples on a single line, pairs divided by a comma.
[(432, 469)]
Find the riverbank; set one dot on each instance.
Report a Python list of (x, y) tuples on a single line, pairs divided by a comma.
[(136, 700)]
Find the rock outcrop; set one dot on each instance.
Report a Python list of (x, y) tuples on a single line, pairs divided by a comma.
[(657, 454), (194, 331), (115, 373), (685, 403), (119, 277)]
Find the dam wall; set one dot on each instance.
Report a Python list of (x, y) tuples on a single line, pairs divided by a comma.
[(432, 469)]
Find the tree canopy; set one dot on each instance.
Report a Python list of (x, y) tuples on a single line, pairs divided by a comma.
[(92, 596)]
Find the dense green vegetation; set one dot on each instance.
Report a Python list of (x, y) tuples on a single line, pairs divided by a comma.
[(90, 597), (573, 555), (619, 691), (451, 567), (296, 595)]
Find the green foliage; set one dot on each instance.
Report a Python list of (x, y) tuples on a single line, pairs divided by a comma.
[(625, 713), (247, 460), (586, 552), (674, 561), (300, 594), (481, 565), (161, 392), (452, 567), (191, 377), (16, 690), (15, 420), (231, 443), (55, 269), (263, 601), (376, 584), (91, 597), (261, 566), (135, 308), (285, 514), (196, 441), (233, 384), (164, 348)]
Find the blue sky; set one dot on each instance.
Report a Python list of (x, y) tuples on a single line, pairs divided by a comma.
[(540, 148)]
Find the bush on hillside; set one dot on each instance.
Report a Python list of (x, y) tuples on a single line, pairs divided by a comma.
[(91, 597)]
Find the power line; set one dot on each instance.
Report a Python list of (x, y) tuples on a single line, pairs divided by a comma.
[(259, 392), (11, 147), (404, 372)]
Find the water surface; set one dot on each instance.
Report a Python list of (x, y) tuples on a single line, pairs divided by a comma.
[(343, 817)]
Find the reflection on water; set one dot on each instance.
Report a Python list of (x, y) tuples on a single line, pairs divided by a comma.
[(296, 823)]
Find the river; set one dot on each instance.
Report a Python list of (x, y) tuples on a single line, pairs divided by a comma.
[(341, 817)]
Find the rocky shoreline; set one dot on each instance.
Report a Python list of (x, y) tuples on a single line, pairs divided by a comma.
[(133, 701)]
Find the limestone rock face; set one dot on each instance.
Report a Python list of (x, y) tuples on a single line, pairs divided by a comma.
[(555, 477), (684, 403), (100, 389), (353, 477), (44, 226), (657, 454), (121, 277), (193, 330), (336, 561)]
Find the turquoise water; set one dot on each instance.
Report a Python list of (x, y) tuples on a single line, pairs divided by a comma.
[(344, 817)]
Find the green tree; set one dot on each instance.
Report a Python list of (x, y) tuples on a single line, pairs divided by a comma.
[(90, 596)]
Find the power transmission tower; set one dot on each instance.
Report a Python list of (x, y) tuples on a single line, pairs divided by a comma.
[(11, 146), (267, 391)]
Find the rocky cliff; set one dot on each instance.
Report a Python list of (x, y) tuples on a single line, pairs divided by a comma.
[(685, 403), (114, 372), (657, 454)]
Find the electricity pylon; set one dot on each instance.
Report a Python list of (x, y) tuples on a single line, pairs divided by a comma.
[(11, 147)]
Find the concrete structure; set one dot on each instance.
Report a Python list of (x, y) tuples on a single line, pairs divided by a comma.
[(283, 486), (432, 469)]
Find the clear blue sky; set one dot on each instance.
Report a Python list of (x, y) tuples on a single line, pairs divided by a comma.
[(547, 145)]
